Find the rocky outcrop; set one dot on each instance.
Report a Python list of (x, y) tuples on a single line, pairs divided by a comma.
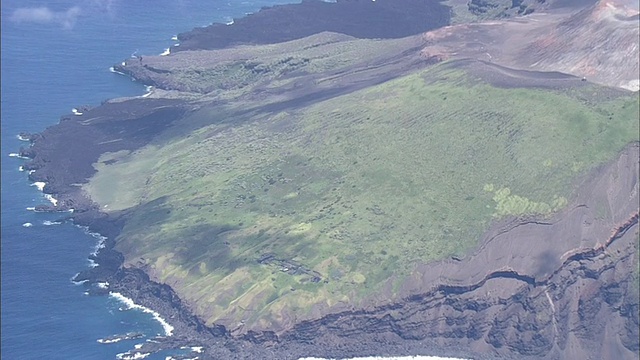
[(111, 127)]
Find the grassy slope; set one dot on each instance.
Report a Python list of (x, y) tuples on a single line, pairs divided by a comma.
[(357, 188)]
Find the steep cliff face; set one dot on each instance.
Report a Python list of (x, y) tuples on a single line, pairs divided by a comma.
[(577, 299), (599, 43)]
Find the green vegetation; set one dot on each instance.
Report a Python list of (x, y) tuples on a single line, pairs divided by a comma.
[(280, 64), (508, 204), (358, 188)]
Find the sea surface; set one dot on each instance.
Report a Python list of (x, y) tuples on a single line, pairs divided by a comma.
[(56, 56)]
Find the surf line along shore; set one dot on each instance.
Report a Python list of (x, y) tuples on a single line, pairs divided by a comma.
[(127, 302)]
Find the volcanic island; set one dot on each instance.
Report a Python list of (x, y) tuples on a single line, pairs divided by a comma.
[(358, 178)]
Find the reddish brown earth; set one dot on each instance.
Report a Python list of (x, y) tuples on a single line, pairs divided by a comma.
[(599, 43)]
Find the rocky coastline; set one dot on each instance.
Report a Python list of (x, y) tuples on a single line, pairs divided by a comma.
[(560, 306), (584, 285)]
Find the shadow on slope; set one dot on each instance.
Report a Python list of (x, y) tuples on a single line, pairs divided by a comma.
[(358, 18)]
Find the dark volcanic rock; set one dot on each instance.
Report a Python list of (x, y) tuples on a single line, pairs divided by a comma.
[(510, 301), (111, 127), (359, 18)]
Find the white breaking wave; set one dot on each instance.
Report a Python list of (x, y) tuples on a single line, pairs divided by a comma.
[(132, 356), (49, 223), (22, 138), (16, 155), (78, 282), (95, 235), (149, 90), (109, 341), (31, 208), (76, 112), (27, 224), (103, 285), (39, 184), (168, 329), (99, 245), (21, 168), (174, 38), (113, 70), (166, 52), (51, 199)]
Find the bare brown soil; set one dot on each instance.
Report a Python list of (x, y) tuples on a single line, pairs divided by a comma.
[(550, 288)]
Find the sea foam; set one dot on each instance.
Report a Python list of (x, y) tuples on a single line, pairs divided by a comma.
[(49, 223), (109, 341), (132, 356), (39, 184), (149, 90), (166, 52), (78, 282), (16, 155), (51, 199), (27, 224), (168, 329), (113, 70)]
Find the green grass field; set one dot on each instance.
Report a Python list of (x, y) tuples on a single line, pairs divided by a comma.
[(359, 188)]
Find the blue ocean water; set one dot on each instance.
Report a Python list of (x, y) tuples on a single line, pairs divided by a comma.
[(55, 56)]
